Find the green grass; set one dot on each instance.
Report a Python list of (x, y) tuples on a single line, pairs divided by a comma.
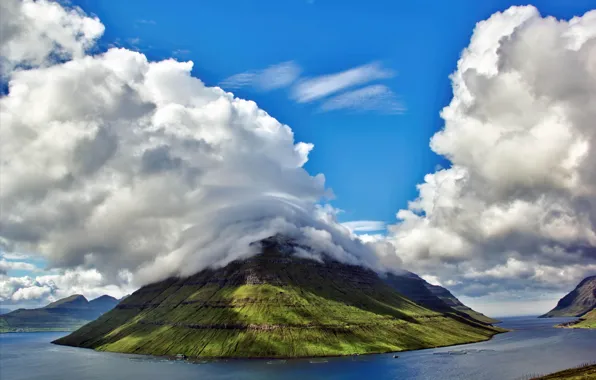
[(587, 321), (303, 309), (584, 372)]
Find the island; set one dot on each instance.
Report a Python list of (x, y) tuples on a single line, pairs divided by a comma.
[(275, 305)]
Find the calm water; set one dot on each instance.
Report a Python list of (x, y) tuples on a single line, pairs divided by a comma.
[(534, 347)]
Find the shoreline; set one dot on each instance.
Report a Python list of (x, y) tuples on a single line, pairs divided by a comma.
[(268, 358)]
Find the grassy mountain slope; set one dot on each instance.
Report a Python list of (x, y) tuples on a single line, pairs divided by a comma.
[(66, 314), (432, 296), (273, 305), (452, 301), (578, 302), (586, 321)]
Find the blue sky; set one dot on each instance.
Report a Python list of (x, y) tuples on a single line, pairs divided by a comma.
[(371, 160)]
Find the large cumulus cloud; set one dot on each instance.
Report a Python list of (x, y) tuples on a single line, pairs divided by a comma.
[(32, 33), (114, 163), (517, 207)]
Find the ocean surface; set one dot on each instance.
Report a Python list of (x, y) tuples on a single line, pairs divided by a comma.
[(534, 347)]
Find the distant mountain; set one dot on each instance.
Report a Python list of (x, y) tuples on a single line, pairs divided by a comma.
[(65, 314), (578, 302), (4, 310), (432, 296), (274, 304)]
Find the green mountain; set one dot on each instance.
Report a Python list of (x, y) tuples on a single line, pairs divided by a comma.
[(431, 296), (66, 314), (274, 305), (578, 302)]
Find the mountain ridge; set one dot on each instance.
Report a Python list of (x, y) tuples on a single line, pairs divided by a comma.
[(432, 296), (580, 301), (65, 314)]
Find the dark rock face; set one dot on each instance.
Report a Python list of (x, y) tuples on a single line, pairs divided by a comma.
[(431, 296), (578, 302)]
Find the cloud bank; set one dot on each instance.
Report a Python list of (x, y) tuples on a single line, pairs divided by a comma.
[(136, 169), (517, 208)]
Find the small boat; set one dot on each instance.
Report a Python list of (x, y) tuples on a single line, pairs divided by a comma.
[(180, 356), (395, 356), (317, 361)]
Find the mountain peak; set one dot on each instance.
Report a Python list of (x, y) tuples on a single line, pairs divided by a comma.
[(578, 302), (76, 300), (105, 297)]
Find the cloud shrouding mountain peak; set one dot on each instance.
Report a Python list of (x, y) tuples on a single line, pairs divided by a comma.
[(140, 171)]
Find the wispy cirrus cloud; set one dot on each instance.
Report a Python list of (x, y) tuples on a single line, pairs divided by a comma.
[(7, 265), (180, 52), (364, 225), (377, 98), (271, 78), (145, 22), (312, 89), (346, 90)]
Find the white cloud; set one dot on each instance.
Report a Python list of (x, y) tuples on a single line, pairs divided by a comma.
[(31, 293), (179, 52), (273, 77), (434, 280), (364, 225), (15, 255), (137, 166), (311, 89), (517, 208), (32, 32), (371, 98), (134, 41), (40, 290), (6, 265), (145, 22)]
